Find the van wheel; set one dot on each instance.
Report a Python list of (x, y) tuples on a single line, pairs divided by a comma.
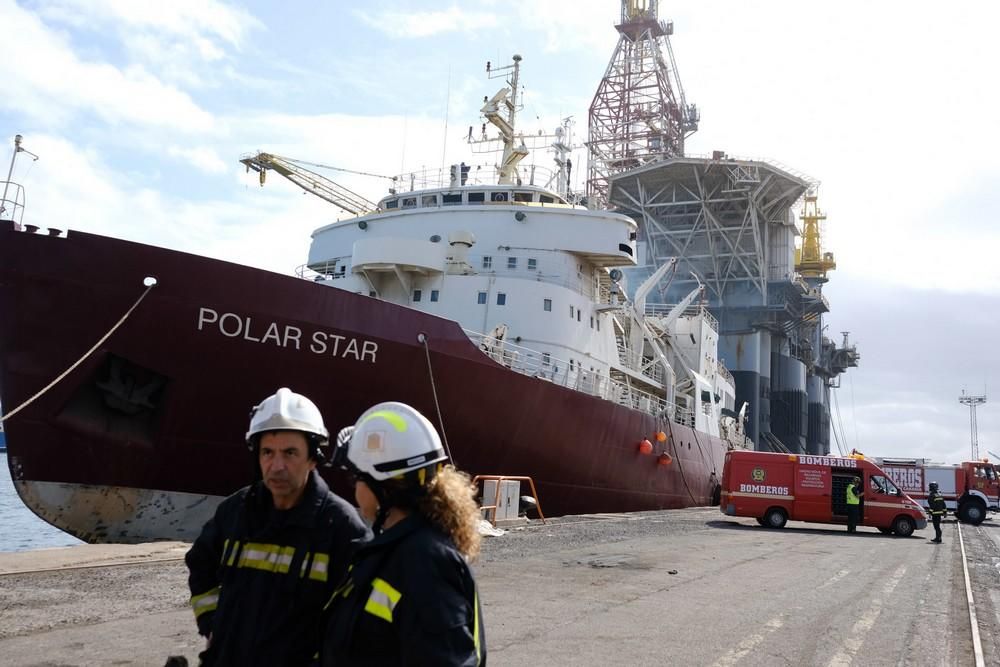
[(885, 531), (775, 518), (972, 511), (903, 526)]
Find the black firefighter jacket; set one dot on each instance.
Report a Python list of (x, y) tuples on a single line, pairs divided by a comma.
[(259, 576), (410, 599)]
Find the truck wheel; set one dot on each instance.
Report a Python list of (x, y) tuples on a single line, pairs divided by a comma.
[(775, 518), (972, 511), (903, 526)]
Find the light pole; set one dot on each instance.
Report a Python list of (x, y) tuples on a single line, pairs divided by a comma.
[(972, 402)]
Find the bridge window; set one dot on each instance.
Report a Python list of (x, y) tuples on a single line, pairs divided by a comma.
[(625, 248), (429, 200), (481, 298), (452, 200), (392, 203), (532, 264), (501, 299), (434, 295), (499, 196), (522, 196), (409, 202), (487, 262), (547, 305), (545, 199), (416, 295), (477, 197)]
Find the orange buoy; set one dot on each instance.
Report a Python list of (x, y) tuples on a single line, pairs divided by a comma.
[(661, 436), (645, 447), (665, 459)]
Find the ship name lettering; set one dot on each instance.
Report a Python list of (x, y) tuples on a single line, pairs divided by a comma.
[(232, 325)]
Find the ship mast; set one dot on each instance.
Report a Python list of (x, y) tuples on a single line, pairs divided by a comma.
[(501, 110), (18, 148)]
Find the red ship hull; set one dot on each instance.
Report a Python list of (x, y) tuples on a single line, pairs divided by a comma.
[(142, 439)]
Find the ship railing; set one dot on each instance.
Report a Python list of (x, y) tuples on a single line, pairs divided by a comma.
[(430, 179), (569, 374), (724, 372), (694, 310), (633, 360), (11, 202)]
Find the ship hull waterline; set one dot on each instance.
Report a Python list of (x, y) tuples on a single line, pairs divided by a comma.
[(143, 438)]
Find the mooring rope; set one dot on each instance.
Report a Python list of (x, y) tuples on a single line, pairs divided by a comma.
[(422, 338), (81, 359)]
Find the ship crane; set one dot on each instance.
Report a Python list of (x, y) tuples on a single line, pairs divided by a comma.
[(312, 182)]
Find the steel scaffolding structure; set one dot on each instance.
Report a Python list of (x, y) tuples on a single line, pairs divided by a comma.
[(639, 113)]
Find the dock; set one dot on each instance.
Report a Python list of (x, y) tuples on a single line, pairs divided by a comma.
[(690, 587)]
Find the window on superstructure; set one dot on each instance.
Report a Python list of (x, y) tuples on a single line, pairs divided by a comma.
[(501, 299), (481, 298), (416, 295), (434, 295), (343, 269), (545, 199), (591, 321), (571, 311), (578, 311), (547, 305), (392, 203), (371, 293), (487, 262), (452, 200), (546, 358), (409, 202), (532, 264), (522, 197), (477, 197), (499, 196), (571, 365), (598, 323), (429, 200), (512, 263)]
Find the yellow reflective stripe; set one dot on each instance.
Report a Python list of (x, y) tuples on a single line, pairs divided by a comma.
[(320, 566), (305, 565), (205, 602), (475, 626), (383, 599), (397, 422), (232, 554), (267, 557), (225, 546)]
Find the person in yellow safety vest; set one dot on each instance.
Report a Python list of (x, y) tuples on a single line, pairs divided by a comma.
[(936, 503), (854, 495), (410, 597)]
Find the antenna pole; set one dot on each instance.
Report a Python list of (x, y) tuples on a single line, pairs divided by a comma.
[(972, 402), (447, 104)]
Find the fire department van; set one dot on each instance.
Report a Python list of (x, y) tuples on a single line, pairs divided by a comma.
[(774, 488)]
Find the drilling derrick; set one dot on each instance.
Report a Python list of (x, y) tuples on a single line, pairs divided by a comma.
[(639, 114), (810, 260)]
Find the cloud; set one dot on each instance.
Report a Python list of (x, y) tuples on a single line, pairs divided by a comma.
[(408, 25), (55, 85), (205, 159)]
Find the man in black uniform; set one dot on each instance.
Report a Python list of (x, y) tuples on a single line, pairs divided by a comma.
[(264, 566), (936, 503)]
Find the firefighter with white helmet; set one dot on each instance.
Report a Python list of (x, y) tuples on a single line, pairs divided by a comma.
[(267, 562), (410, 596)]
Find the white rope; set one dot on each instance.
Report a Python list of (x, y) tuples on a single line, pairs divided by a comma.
[(80, 360), (430, 371)]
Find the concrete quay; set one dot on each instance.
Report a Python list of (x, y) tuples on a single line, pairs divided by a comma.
[(684, 587)]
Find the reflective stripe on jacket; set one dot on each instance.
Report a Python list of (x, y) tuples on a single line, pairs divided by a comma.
[(936, 502)]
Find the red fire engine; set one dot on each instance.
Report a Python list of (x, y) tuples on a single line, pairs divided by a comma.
[(970, 489), (773, 488)]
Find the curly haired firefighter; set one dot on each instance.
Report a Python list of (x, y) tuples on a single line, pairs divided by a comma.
[(267, 562), (410, 597)]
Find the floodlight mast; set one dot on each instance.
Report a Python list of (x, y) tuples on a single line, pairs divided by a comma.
[(972, 402)]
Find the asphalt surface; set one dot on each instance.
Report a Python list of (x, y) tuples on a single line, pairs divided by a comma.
[(687, 587)]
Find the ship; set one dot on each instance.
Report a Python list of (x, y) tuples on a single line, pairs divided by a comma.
[(490, 299)]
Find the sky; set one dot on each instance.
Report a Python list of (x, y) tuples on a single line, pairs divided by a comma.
[(139, 113)]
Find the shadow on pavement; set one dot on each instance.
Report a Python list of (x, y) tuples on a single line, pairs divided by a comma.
[(863, 531)]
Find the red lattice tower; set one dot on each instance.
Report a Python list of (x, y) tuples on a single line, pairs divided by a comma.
[(639, 113)]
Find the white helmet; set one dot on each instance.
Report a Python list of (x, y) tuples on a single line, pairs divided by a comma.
[(389, 440), (287, 411)]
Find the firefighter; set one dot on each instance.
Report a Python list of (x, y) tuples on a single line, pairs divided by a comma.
[(854, 496), (410, 597), (936, 503), (267, 562)]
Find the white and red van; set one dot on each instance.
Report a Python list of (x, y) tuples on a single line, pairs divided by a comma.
[(774, 488)]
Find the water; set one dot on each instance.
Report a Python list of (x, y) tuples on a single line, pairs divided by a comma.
[(20, 529)]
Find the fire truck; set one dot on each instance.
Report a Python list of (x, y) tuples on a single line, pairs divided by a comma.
[(970, 489), (773, 488)]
